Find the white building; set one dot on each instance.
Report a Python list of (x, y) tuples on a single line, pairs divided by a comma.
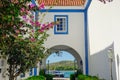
[(86, 31), (71, 34), (104, 34)]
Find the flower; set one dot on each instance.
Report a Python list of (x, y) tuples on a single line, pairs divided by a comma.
[(24, 17), (17, 31), (32, 39), (37, 23), (31, 6), (22, 9), (32, 22)]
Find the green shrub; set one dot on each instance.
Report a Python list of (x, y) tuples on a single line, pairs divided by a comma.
[(95, 78), (78, 72), (36, 78), (72, 77), (49, 77), (82, 77), (85, 77), (42, 72)]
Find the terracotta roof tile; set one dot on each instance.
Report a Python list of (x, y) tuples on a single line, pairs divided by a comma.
[(62, 2)]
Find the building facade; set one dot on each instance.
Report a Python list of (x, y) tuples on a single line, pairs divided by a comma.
[(84, 32), (71, 34)]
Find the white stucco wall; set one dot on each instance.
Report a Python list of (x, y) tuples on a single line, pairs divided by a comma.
[(75, 36), (100, 25), (116, 28), (3, 67), (103, 31)]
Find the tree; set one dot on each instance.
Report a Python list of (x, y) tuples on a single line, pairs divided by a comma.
[(21, 38)]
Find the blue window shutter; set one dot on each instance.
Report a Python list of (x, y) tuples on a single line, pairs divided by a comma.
[(35, 71)]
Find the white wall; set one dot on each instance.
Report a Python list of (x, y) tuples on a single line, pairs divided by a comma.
[(116, 28), (100, 25), (100, 64), (104, 30), (3, 66)]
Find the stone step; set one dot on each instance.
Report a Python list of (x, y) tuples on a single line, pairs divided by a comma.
[(61, 79)]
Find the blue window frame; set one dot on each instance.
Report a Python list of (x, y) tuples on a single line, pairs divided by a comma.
[(31, 72), (22, 75), (62, 27)]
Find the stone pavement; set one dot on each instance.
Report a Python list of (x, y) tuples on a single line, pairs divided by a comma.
[(61, 79)]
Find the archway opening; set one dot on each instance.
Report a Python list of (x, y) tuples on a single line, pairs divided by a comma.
[(62, 53), (63, 60), (63, 64)]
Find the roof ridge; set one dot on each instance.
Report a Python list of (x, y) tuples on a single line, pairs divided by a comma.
[(62, 2)]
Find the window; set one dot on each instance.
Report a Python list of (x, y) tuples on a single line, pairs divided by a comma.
[(31, 72), (22, 75), (62, 27)]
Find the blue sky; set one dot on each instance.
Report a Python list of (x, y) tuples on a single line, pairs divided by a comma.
[(63, 56)]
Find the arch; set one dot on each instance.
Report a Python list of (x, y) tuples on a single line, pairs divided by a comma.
[(73, 52)]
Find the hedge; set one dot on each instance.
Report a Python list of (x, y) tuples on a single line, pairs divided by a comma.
[(48, 76), (36, 78), (85, 77)]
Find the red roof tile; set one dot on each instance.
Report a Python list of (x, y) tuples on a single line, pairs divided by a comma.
[(62, 2)]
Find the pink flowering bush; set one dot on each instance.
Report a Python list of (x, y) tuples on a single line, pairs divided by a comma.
[(21, 36)]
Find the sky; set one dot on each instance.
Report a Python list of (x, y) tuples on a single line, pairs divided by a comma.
[(63, 56)]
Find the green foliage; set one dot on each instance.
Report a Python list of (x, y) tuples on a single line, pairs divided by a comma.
[(62, 65), (85, 77), (78, 72), (48, 76), (21, 53), (82, 77), (72, 77), (36, 78), (42, 72)]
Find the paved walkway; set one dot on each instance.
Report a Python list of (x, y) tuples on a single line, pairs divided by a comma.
[(61, 79)]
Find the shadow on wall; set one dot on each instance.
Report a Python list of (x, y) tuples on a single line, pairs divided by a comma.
[(100, 64)]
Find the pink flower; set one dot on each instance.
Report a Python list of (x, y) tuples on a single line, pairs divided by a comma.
[(40, 30), (32, 39), (32, 6), (32, 16), (14, 27), (27, 11), (22, 9), (17, 31), (26, 20), (37, 23), (50, 25), (33, 31), (43, 25), (24, 16), (32, 23), (42, 6)]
